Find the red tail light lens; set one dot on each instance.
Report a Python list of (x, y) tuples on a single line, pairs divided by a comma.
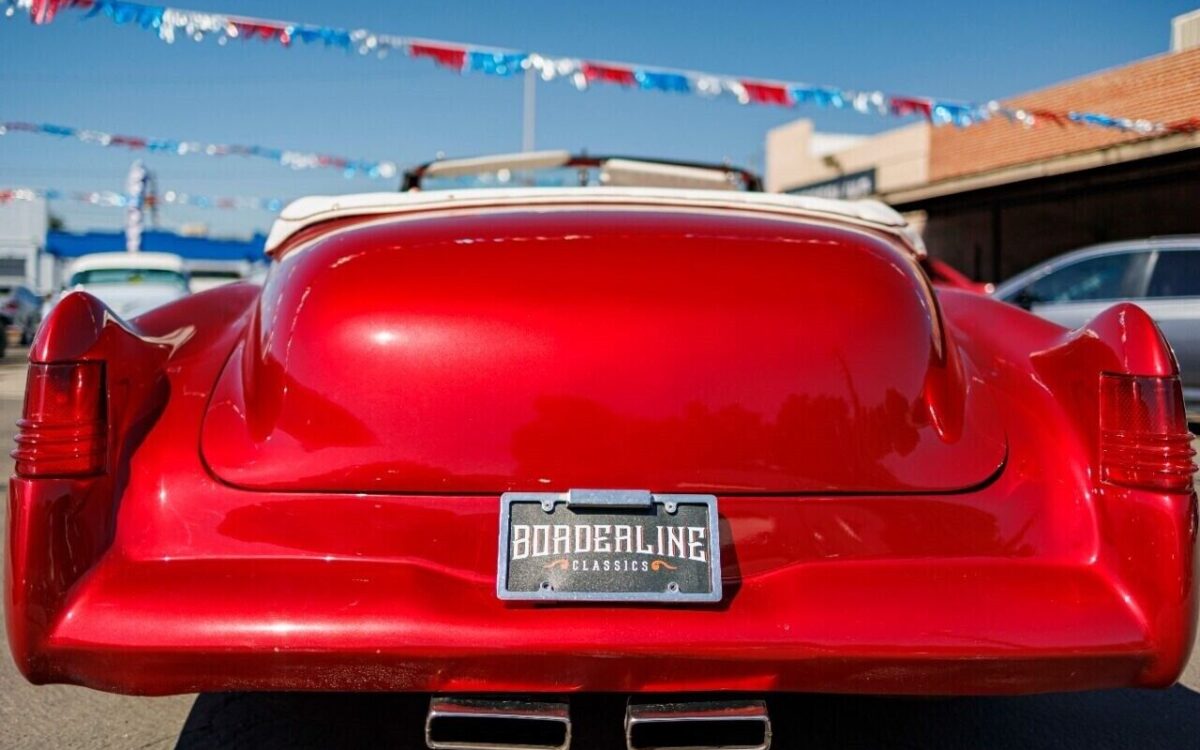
[(1144, 440), (64, 428)]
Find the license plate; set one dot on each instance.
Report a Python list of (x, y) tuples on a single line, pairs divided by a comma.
[(609, 545)]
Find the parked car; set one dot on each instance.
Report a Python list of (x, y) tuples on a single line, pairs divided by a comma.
[(942, 274), (1161, 275), (209, 274), (129, 283), (523, 443), (22, 307)]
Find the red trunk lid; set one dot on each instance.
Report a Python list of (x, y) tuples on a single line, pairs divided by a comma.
[(663, 349)]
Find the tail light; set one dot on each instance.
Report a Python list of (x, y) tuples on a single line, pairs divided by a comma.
[(1144, 440), (63, 431)]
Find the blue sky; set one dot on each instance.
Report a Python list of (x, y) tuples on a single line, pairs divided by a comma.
[(94, 74)]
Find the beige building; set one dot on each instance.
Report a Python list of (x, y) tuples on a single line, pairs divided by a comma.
[(997, 197), (803, 161)]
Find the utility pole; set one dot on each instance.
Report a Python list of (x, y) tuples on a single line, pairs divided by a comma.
[(135, 191), (529, 111)]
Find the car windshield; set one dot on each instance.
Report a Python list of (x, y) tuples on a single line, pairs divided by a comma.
[(230, 275), (508, 178), (561, 169), (129, 276)]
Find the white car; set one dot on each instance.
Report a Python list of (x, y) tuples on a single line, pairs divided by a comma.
[(129, 283), (210, 274)]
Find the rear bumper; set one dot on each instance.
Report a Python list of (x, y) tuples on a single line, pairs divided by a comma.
[(913, 628), (1026, 585)]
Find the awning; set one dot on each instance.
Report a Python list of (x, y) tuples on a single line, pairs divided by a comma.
[(72, 245)]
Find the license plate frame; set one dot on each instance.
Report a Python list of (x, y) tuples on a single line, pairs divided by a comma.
[(675, 580)]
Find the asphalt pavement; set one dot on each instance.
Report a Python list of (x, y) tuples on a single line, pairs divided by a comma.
[(60, 716)]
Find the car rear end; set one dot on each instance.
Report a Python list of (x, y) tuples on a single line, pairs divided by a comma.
[(321, 488)]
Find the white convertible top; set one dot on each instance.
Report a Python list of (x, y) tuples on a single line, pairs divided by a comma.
[(318, 208)]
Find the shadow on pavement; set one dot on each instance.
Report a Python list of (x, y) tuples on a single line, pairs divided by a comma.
[(1104, 719)]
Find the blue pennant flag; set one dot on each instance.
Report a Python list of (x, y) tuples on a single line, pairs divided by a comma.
[(822, 96), (960, 115), (1103, 121), (330, 37), (145, 16), (657, 81), (58, 130), (496, 63)]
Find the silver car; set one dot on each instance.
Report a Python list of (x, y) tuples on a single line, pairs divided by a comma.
[(1161, 275)]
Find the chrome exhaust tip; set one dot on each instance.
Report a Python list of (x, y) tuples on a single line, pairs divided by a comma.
[(729, 725), (482, 724)]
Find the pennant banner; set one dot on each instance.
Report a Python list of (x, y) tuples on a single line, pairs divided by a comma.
[(294, 159), (171, 24), (113, 199)]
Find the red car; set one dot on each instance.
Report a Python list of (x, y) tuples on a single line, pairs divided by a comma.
[(942, 274), (506, 445)]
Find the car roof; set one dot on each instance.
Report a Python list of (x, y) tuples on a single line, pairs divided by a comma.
[(306, 212), (155, 261), (1146, 243)]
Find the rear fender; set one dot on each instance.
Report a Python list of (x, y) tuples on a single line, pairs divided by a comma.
[(1143, 541), (1122, 339), (1146, 539), (60, 527)]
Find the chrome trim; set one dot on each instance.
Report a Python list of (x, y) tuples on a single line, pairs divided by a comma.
[(610, 498), (705, 711), (444, 707)]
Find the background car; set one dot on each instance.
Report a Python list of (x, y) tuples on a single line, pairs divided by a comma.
[(202, 281), (943, 274), (130, 283), (210, 274), (23, 308), (1162, 275)]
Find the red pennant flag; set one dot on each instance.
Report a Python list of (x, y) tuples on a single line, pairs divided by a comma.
[(449, 57), (263, 31), (1184, 126), (607, 74), (768, 93), (903, 105), (43, 11), (127, 142), (1045, 114)]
